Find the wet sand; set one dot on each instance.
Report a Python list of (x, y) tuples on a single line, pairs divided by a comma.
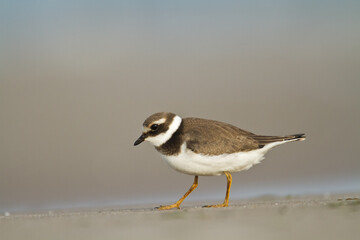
[(267, 218)]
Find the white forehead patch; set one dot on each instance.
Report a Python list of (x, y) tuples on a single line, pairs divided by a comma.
[(146, 129), (160, 121), (164, 137)]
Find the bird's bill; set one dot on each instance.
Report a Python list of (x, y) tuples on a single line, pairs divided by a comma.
[(140, 140)]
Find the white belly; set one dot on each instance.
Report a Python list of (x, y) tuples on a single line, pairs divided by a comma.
[(204, 165)]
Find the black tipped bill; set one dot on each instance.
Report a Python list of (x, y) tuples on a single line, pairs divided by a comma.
[(139, 140)]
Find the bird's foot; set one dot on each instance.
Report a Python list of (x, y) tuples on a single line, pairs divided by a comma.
[(216, 205), (168, 207)]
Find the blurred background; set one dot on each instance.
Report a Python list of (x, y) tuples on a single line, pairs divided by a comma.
[(78, 78)]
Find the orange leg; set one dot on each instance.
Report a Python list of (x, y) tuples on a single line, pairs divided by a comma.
[(226, 201), (177, 204)]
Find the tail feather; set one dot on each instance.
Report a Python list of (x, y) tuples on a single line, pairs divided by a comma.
[(263, 140)]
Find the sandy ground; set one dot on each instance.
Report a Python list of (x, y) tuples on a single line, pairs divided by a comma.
[(286, 218)]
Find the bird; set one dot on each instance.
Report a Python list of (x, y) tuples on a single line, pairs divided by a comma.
[(202, 147)]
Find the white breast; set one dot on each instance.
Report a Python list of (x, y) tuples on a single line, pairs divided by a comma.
[(204, 165)]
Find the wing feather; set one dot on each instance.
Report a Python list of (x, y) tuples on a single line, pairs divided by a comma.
[(213, 137)]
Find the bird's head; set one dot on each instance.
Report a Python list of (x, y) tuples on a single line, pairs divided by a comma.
[(158, 128)]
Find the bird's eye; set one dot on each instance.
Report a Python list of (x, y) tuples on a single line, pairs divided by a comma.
[(154, 127)]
